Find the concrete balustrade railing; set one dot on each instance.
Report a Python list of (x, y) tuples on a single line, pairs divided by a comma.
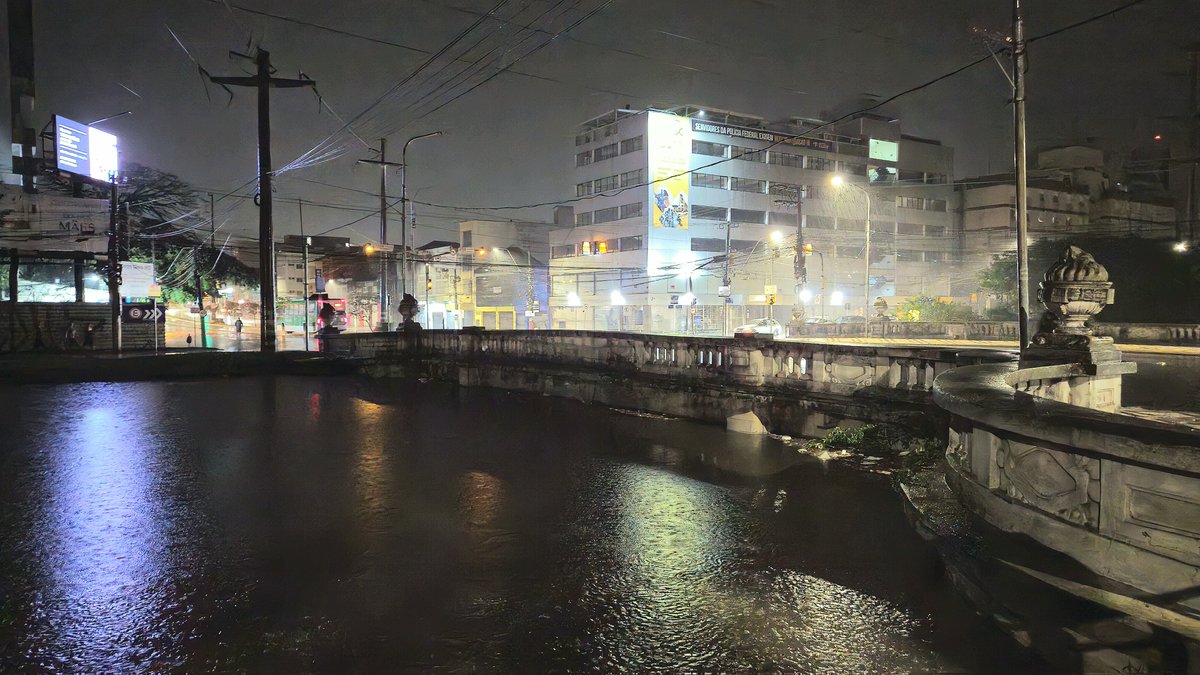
[(840, 368), (1006, 331), (1044, 452)]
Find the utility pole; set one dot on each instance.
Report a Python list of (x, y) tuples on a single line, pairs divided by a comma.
[(1019, 66), (1193, 119), (263, 81), (404, 238), (114, 268), (384, 260), (305, 242), (726, 279)]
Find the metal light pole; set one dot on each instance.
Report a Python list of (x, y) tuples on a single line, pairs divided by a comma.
[(404, 271), (305, 242), (384, 310), (838, 181)]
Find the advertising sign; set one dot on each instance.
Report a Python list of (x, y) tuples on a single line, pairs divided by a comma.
[(884, 151), (761, 135), (84, 150), (669, 141)]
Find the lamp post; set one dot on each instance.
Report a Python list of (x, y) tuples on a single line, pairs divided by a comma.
[(404, 271), (839, 181), (382, 323)]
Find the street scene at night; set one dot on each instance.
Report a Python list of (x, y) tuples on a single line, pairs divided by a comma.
[(599, 336)]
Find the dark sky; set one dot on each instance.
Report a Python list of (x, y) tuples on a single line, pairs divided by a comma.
[(510, 140)]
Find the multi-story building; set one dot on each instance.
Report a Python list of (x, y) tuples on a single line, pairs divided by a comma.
[(500, 273), (1070, 194), (686, 220)]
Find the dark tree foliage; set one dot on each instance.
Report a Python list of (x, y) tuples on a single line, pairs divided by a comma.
[(1153, 282), (167, 222)]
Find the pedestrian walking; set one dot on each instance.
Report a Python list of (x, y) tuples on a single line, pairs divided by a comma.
[(237, 327)]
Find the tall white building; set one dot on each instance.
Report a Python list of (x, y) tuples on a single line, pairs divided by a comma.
[(672, 204)]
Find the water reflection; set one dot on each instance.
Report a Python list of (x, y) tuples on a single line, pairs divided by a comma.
[(399, 526)]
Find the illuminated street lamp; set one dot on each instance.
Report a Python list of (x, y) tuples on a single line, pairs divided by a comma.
[(1180, 247), (839, 181)]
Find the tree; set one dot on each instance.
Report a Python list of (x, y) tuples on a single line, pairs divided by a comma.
[(166, 224), (923, 308)]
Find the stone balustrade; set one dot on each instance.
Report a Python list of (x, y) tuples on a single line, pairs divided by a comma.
[(743, 361), (1043, 451)]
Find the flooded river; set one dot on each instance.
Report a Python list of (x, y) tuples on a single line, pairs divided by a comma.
[(293, 524)]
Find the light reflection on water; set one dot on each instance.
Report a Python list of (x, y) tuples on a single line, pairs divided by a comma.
[(317, 524)]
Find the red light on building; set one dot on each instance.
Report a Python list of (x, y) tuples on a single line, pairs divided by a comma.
[(1158, 137)]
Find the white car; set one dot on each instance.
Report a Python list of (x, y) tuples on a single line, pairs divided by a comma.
[(761, 327)]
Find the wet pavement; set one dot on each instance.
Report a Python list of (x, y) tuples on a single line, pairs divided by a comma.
[(298, 524)]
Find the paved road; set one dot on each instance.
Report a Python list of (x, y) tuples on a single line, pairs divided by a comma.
[(225, 338)]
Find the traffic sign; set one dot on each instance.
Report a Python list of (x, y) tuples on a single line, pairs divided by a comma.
[(142, 312)]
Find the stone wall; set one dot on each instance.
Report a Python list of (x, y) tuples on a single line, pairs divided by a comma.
[(51, 326), (1150, 333)]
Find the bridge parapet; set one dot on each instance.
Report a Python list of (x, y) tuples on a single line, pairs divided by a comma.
[(763, 362)]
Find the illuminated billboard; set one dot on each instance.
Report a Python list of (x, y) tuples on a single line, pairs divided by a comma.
[(669, 145), (83, 150), (884, 151)]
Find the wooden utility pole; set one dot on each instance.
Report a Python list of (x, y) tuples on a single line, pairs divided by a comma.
[(1018, 54), (263, 81)]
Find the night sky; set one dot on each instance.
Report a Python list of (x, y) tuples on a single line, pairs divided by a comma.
[(510, 141)]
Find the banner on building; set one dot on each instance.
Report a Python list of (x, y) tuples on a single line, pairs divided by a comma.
[(762, 135), (669, 144)]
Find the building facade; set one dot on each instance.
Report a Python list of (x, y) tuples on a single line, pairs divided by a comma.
[(686, 220)]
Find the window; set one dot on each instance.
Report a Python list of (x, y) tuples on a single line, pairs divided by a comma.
[(910, 176), (852, 224), (710, 149), (849, 251), (583, 218), (747, 154), (606, 152), (466, 239), (819, 222), (564, 251), (743, 245), (782, 218), (935, 205), (709, 180), (786, 159), (585, 248), (583, 138), (634, 177), (631, 145), (748, 216), (748, 185), (820, 164), (708, 244), (910, 202), (935, 178), (632, 210), (907, 254), (606, 183), (633, 243), (606, 215), (935, 230), (854, 169), (584, 158), (605, 246), (710, 212), (583, 189), (910, 229)]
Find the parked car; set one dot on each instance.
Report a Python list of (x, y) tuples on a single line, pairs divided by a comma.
[(761, 327), (849, 319), (817, 319)]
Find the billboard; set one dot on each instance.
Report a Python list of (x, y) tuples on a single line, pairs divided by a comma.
[(884, 151), (761, 135), (669, 144), (83, 150)]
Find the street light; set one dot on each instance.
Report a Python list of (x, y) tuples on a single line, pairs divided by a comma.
[(838, 181), (1180, 247), (404, 271)]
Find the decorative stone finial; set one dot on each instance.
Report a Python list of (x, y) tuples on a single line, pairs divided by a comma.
[(408, 309), (1073, 290), (881, 308)]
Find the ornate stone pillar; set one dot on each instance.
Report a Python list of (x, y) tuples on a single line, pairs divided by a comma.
[(1074, 289)]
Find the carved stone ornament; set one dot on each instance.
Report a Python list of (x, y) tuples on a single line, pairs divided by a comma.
[(1073, 290), (881, 307), (408, 309)]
